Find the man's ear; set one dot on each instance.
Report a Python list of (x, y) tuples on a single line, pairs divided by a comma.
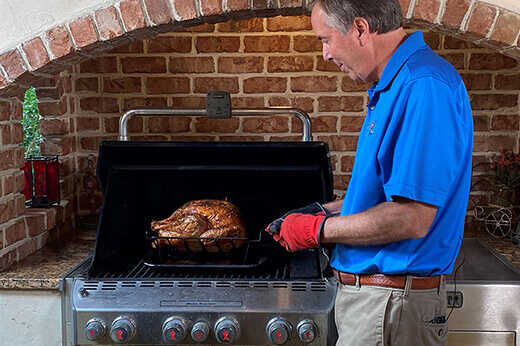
[(362, 28)]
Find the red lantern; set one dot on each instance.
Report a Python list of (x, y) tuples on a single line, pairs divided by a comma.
[(42, 181)]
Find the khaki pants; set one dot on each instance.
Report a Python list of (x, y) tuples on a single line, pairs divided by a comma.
[(372, 315)]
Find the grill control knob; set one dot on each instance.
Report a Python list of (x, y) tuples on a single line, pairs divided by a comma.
[(174, 330), (95, 329), (226, 330), (122, 330), (307, 331), (278, 330), (200, 331)]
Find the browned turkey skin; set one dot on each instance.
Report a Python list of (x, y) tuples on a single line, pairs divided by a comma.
[(202, 219)]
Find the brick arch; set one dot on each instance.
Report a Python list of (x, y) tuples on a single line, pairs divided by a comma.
[(104, 29)]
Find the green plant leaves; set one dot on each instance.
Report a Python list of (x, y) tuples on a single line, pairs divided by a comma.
[(31, 124)]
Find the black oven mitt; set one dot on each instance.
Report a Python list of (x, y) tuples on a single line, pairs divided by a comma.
[(314, 208)]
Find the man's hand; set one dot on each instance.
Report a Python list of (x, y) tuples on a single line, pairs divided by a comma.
[(298, 231)]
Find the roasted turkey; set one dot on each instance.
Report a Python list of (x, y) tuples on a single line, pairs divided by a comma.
[(201, 219)]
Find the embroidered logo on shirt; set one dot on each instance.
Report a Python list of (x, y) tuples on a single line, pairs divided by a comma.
[(370, 128)]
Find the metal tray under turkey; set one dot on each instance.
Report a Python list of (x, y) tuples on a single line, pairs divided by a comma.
[(205, 253)]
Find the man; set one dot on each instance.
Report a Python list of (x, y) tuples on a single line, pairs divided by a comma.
[(400, 226)]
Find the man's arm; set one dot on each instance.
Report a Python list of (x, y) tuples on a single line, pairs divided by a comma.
[(334, 207), (385, 223)]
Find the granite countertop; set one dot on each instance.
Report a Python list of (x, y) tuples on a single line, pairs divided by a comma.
[(43, 270)]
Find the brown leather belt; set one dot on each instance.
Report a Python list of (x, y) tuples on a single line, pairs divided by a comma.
[(393, 281)]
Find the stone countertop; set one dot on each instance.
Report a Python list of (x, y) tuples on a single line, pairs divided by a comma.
[(43, 270)]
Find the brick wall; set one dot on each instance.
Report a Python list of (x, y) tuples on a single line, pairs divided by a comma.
[(268, 62)]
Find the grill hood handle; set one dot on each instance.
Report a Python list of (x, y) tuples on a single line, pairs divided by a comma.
[(304, 117)]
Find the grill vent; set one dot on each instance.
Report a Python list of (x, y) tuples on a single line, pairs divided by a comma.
[(223, 284), (259, 284), (241, 284), (128, 284), (204, 284), (185, 284), (280, 285), (147, 284), (108, 286), (166, 284), (90, 285), (299, 286), (318, 286)]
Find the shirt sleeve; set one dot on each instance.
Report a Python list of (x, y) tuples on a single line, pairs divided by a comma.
[(422, 151)]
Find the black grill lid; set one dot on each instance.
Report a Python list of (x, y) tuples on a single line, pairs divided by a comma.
[(145, 181)]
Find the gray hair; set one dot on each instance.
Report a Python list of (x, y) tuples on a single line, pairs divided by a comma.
[(382, 15)]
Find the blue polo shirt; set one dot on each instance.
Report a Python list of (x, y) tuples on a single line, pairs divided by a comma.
[(416, 142)]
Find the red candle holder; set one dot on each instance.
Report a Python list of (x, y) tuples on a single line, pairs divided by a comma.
[(42, 181)]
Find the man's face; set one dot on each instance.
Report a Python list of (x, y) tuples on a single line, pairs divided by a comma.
[(342, 49)]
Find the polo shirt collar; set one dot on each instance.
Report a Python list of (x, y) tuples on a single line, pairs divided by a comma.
[(412, 44)]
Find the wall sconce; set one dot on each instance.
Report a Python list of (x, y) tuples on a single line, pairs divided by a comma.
[(42, 181)]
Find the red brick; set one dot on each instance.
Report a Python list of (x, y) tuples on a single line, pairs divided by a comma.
[(58, 146), (481, 123), (492, 61), (135, 125), (241, 26), (83, 32), (99, 65), (87, 84), (493, 101), (99, 104), (144, 102), (505, 122), (188, 102), (340, 143), (15, 232), (241, 64), (133, 17), (351, 123), (35, 223), (207, 125), (205, 84), (121, 85), (427, 10), (290, 23), (13, 64), (322, 123), (7, 259), (290, 63), (507, 28), (167, 85), (158, 11), (3, 81), (348, 84), (36, 53), (456, 43), (108, 23), (212, 44), (347, 163), (495, 143), (306, 43), (340, 104), (144, 64), (27, 248), (265, 85), (204, 27), (432, 39), (404, 6), (211, 7), (53, 108), (247, 102), (477, 81), (17, 133), (133, 47), (241, 138), (304, 103), (341, 181), (238, 5), (5, 110), (455, 12), (481, 19), (167, 44), (9, 184), (59, 41), (275, 124), (507, 82), (53, 127), (191, 65), (456, 59), (5, 134), (87, 124), (169, 124), (185, 9), (267, 44), (19, 182), (312, 83), (7, 210), (291, 4)]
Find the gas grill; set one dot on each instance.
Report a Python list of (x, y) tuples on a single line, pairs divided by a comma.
[(130, 293)]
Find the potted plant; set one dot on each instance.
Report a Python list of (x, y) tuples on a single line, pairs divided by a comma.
[(41, 172)]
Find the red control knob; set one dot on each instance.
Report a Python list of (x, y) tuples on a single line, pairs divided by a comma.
[(278, 330), (174, 330), (307, 331), (123, 329), (226, 330), (95, 329)]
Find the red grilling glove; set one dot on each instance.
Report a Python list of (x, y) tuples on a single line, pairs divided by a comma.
[(298, 231)]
